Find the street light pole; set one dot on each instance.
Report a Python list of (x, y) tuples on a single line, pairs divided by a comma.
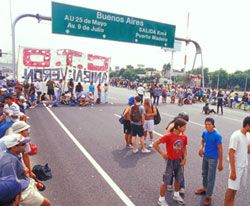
[(13, 25)]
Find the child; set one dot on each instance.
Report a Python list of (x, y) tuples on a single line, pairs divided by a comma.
[(176, 158)]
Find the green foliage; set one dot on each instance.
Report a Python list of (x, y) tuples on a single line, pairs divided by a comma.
[(236, 80)]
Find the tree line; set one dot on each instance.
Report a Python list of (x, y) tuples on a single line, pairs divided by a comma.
[(239, 80)]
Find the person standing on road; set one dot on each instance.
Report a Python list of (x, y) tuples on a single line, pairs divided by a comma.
[(99, 91), (137, 119), (141, 91), (220, 102), (170, 128), (39, 89), (127, 125), (239, 148), (150, 112), (212, 153), (157, 94), (92, 88), (105, 95), (176, 158)]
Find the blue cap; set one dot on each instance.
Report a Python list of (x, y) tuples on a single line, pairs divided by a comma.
[(131, 101), (10, 187)]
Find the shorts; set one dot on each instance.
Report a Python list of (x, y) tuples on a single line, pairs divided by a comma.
[(127, 127), (173, 168), (51, 92), (30, 196), (149, 125), (241, 178), (137, 130)]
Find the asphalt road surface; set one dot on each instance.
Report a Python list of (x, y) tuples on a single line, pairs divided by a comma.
[(86, 151)]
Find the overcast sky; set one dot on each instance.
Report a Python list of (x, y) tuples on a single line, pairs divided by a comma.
[(220, 27)]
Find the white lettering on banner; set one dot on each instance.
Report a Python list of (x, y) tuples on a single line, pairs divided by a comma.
[(147, 31), (31, 75), (100, 15), (56, 64), (134, 21)]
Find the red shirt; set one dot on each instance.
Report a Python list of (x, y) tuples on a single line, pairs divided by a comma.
[(174, 145)]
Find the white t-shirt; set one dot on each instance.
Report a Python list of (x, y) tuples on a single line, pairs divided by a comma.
[(239, 142), (39, 86), (140, 90), (13, 109)]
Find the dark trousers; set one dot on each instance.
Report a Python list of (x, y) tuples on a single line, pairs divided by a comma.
[(221, 108)]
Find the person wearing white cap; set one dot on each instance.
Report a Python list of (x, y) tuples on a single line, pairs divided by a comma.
[(10, 164), (20, 127)]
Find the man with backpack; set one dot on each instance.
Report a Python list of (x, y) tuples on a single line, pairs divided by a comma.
[(137, 119)]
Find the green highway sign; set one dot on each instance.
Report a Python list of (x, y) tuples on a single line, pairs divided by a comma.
[(78, 21)]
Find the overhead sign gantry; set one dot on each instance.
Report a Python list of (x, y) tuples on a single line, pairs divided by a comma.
[(78, 21)]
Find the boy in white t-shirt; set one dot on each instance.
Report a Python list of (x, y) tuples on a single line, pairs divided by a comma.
[(239, 148)]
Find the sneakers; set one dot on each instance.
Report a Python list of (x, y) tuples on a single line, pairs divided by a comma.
[(145, 151), (170, 188), (129, 146), (162, 203), (179, 200), (182, 191), (135, 151)]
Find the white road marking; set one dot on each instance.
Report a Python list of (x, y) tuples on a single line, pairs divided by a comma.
[(106, 177), (237, 120)]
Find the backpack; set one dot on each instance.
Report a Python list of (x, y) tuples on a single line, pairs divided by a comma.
[(135, 114), (157, 117), (42, 173)]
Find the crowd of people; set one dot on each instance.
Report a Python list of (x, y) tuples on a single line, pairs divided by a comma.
[(182, 94), (18, 184), (139, 121)]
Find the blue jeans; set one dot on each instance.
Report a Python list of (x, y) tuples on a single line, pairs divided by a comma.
[(209, 167)]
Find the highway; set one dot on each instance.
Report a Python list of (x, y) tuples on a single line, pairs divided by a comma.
[(86, 151)]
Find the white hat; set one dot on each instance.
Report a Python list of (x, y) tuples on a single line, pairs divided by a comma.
[(19, 126), (14, 139)]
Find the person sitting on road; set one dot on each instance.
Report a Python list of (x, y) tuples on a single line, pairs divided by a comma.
[(207, 110), (10, 164), (64, 99), (11, 189)]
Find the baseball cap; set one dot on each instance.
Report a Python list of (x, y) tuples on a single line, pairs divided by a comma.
[(19, 126), (14, 139), (10, 187), (131, 100)]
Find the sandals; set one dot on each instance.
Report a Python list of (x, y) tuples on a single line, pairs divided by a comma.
[(39, 185), (200, 191)]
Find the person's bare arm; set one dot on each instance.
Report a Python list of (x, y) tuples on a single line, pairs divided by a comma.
[(159, 150), (220, 165), (232, 164)]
